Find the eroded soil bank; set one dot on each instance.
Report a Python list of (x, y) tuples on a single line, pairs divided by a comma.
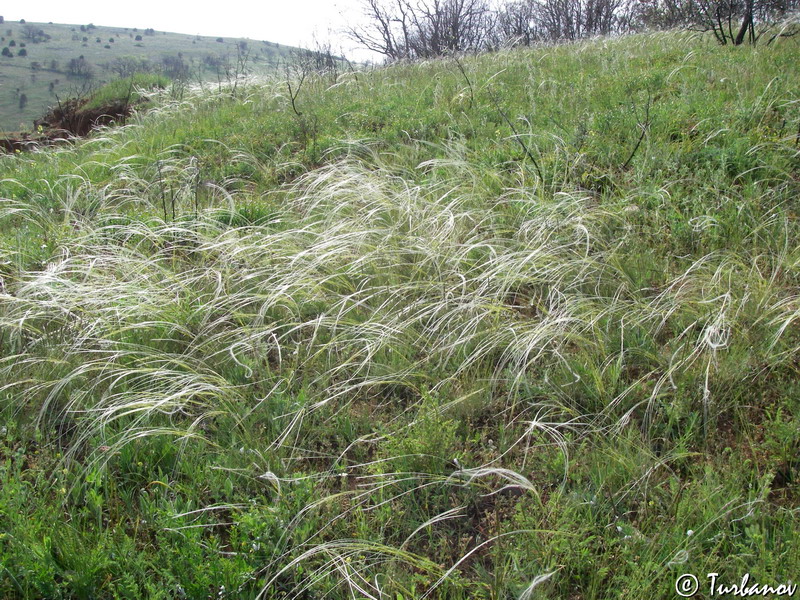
[(65, 122)]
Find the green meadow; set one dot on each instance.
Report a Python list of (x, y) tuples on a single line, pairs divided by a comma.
[(520, 325)]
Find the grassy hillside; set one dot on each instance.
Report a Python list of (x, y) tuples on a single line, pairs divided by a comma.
[(515, 326), (42, 74)]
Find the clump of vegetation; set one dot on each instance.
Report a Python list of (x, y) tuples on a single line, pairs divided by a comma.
[(516, 324), (126, 90)]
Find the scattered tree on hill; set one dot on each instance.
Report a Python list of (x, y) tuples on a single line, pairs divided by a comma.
[(149, 31), (125, 66), (23, 100), (213, 62), (220, 40), (54, 65), (80, 67), (12, 43), (22, 52), (7, 52), (34, 34), (404, 29), (174, 67), (22, 21), (138, 38)]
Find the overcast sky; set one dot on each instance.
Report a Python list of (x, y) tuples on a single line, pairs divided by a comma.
[(290, 22)]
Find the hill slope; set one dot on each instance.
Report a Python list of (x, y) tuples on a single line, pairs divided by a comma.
[(519, 324), (43, 72)]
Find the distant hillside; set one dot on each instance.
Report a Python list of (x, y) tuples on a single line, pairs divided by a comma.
[(42, 61)]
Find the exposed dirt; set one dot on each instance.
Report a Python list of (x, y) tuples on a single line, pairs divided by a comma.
[(65, 122), (73, 116)]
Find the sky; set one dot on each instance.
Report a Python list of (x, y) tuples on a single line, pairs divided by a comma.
[(290, 22)]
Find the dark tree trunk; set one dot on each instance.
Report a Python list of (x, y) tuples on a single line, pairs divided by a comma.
[(747, 23)]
